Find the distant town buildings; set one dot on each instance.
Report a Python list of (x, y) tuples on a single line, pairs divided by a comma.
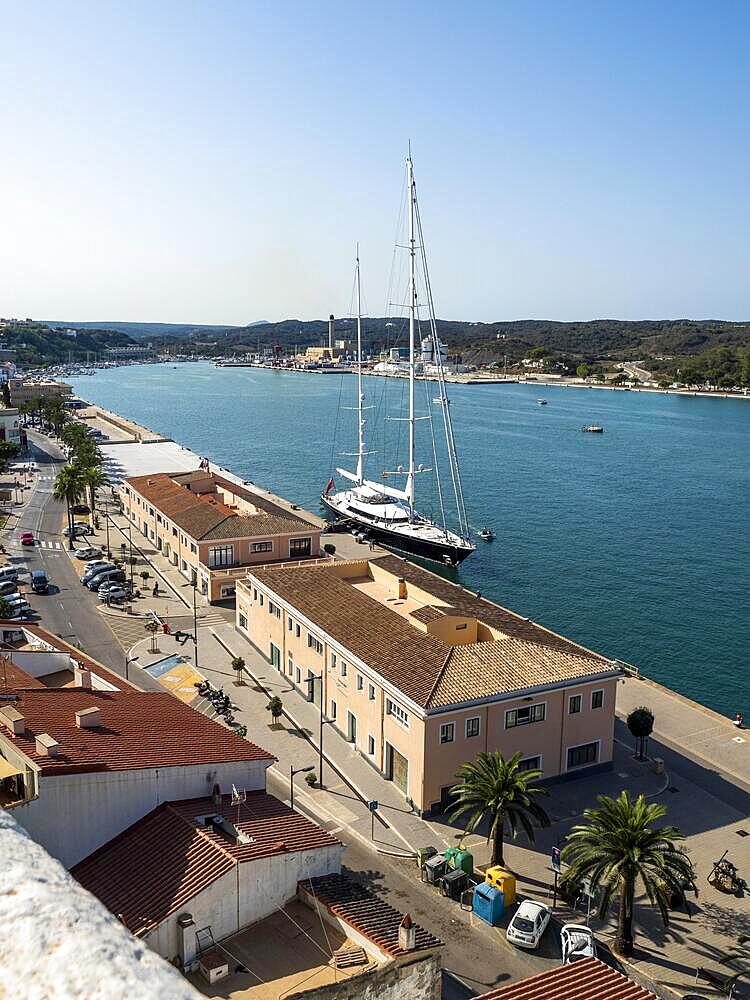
[(420, 674), (212, 529)]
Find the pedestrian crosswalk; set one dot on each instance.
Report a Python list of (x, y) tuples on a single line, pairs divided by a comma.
[(44, 544), (206, 621)]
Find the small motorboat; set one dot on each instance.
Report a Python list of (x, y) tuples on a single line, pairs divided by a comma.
[(541, 402), (486, 534), (592, 429)]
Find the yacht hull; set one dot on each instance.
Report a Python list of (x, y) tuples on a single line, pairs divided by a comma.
[(441, 552)]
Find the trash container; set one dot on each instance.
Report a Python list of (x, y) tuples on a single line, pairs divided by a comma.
[(449, 854), (424, 854), (464, 860), (658, 765), (504, 881), (488, 903), (434, 869), (453, 883)]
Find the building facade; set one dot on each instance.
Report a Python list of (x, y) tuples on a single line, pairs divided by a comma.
[(22, 392), (420, 675), (212, 529)]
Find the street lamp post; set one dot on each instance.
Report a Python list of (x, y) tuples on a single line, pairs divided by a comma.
[(128, 660), (106, 523), (195, 621), (323, 721), (292, 771), (130, 560)]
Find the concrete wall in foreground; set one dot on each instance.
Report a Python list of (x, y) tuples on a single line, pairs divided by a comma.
[(61, 943), (415, 979)]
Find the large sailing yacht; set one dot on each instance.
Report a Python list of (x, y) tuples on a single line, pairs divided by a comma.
[(388, 514)]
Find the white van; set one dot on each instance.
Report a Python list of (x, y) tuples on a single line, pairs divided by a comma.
[(8, 573)]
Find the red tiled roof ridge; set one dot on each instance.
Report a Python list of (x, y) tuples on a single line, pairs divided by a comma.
[(587, 979)]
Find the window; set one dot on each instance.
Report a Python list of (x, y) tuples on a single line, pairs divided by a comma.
[(158, 519), (274, 609), (299, 547), (526, 715), (174, 532), (298, 675), (587, 753), (193, 547), (344, 669), (261, 547), (360, 682), (289, 624), (397, 712), (333, 709), (333, 660), (255, 593), (530, 764), (472, 727), (371, 745), (243, 621), (597, 699), (297, 631), (184, 566), (574, 705), (459, 628), (151, 511), (290, 664), (313, 643), (261, 600), (447, 732), (371, 692), (221, 555)]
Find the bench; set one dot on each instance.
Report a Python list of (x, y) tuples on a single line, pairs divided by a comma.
[(716, 979)]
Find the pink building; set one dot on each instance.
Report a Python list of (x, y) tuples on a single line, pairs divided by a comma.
[(212, 529)]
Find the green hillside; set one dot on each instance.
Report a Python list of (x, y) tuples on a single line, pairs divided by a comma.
[(38, 345)]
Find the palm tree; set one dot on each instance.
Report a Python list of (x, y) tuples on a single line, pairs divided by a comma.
[(739, 957), (497, 789), (94, 479), (68, 488), (619, 846)]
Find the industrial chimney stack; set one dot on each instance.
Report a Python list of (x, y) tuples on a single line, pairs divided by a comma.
[(330, 334)]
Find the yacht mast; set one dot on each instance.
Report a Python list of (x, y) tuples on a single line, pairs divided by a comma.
[(412, 319), (360, 394)]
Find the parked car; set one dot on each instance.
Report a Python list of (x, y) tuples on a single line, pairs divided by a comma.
[(105, 576), (112, 591), (94, 568), (577, 941), (80, 508), (87, 552), (39, 581), (79, 530), (528, 924), (8, 573), (7, 587), (17, 606), (27, 538)]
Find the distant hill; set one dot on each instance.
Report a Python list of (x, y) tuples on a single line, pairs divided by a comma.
[(38, 345), (592, 340), (143, 331)]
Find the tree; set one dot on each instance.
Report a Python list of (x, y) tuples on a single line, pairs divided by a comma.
[(240, 730), (330, 548), (640, 722), (582, 371), (94, 479), (739, 957), (67, 489), (497, 790), (5, 608), (8, 451), (144, 575), (238, 665), (617, 847), (276, 708), (152, 627)]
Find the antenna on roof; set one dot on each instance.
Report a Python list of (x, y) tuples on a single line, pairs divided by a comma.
[(238, 798)]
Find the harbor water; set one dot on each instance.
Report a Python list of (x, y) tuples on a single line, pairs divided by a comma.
[(635, 542)]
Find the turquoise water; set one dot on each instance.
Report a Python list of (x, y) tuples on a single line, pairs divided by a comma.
[(635, 542)]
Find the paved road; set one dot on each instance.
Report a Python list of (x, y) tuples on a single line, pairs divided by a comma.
[(68, 610)]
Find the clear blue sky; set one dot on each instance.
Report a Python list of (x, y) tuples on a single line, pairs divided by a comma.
[(216, 162)]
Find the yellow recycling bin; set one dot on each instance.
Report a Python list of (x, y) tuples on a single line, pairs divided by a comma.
[(504, 881)]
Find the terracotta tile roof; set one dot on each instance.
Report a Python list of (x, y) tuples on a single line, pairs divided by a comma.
[(588, 979), (205, 517), (12, 677), (426, 669), (380, 637), (138, 729), (366, 912), (156, 866)]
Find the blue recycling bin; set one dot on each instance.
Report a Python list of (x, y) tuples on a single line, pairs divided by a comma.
[(488, 903)]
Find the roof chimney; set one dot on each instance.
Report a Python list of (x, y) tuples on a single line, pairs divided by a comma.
[(402, 589), (47, 746), (407, 934), (216, 796), (89, 718), (82, 677), (13, 720)]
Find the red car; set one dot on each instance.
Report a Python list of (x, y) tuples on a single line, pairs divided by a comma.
[(27, 538)]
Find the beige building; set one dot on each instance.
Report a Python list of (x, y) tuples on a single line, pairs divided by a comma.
[(213, 529), (420, 674), (22, 392)]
